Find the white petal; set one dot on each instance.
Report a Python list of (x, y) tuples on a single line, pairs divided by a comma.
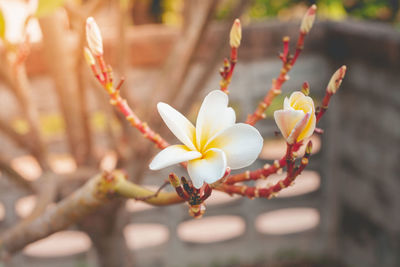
[(308, 129), (173, 155), (286, 104), (299, 101), (298, 129), (214, 116), (210, 168), (181, 127), (287, 120), (295, 96), (242, 143)]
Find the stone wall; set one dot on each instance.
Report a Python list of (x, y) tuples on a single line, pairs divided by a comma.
[(368, 142)]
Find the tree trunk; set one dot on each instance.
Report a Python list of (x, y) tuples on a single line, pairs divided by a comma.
[(105, 228)]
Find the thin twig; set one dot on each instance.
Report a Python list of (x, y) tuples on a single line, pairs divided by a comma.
[(155, 194), (271, 191), (216, 55), (15, 177)]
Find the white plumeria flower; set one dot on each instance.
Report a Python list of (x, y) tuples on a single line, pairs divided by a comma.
[(297, 118), (216, 143)]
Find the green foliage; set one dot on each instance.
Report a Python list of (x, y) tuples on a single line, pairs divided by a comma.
[(46, 7), (2, 25), (382, 10), (263, 8), (171, 11)]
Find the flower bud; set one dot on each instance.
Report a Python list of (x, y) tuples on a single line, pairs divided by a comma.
[(93, 37), (336, 80), (309, 147), (88, 56), (236, 34), (174, 180), (305, 89), (308, 20), (297, 119)]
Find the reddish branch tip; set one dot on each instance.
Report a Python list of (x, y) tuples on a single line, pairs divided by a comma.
[(120, 84), (285, 54), (309, 147), (305, 89)]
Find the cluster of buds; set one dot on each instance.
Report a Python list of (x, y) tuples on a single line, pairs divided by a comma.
[(195, 197)]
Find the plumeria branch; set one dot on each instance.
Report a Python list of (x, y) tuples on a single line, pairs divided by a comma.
[(108, 185), (105, 77), (267, 170), (184, 189), (20, 140), (98, 191), (15, 176), (238, 8), (331, 89), (229, 65), (289, 159), (15, 74), (45, 186), (155, 194), (288, 62), (271, 191), (264, 172)]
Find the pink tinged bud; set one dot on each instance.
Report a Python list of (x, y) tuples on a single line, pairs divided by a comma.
[(93, 37), (236, 34), (88, 56), (308, 19), (336, 80)]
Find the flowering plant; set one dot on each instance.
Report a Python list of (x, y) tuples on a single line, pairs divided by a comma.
[(209, 151), (218, 144)]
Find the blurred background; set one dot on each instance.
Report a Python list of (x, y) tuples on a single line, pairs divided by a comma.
[(57, 129)]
